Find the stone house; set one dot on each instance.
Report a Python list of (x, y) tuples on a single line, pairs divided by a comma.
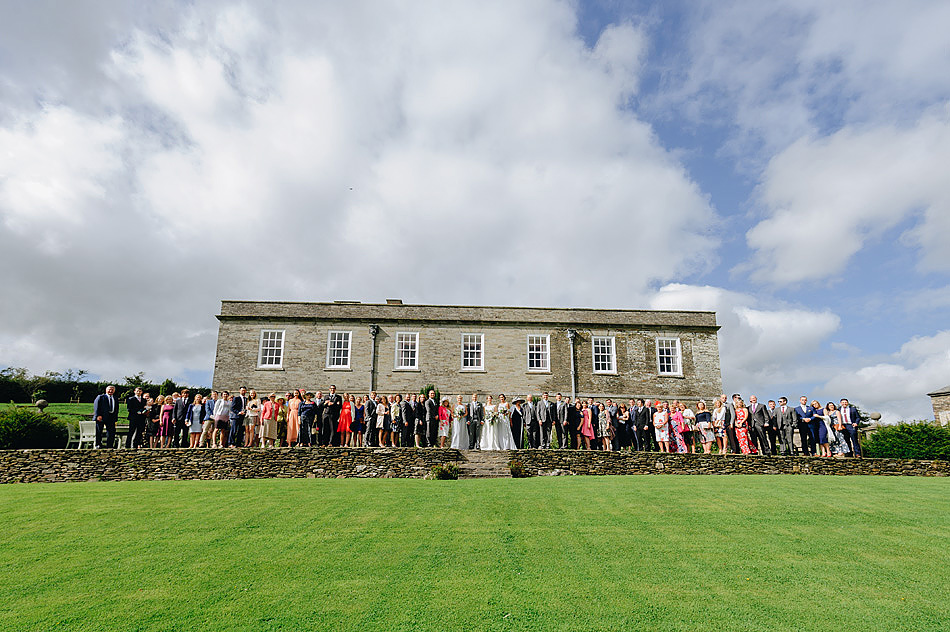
[(940, 399), (396, 347)]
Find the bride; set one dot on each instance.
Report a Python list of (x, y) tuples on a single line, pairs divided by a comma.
[(506, 440), (459, 427), (489, 439)]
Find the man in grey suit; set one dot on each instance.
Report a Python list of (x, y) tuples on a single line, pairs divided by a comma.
[(532, 432), (759, 421), (786, 419), (546, 413), (474, 418), (729, 421), (563, 432)]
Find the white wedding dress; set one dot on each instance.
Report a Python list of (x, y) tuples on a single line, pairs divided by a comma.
[(459, 429), (506, 441), (489, 440)]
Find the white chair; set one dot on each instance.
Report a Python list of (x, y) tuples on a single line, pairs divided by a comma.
[(87, 433), (73, 427)]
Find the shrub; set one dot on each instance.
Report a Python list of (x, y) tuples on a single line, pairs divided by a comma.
[(26, 428), (431, 387), (517, 469), (919, 440), (447, 472)]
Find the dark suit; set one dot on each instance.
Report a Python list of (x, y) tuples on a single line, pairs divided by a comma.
[(648, 436), (573, 426), (105, 411), (332, 406), (236, 416), (851, 420), (807, 430), (786, 423), (432, 421), (759, 418), (408, 413), (136, 408), (474, 416), (182, 423)]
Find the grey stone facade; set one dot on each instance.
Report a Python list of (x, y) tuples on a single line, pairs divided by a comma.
[(505, 332), (941, 405)]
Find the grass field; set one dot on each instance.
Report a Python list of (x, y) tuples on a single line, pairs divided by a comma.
[(615, 553), (84, 409)]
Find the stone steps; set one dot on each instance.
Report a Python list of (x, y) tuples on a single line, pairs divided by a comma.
[(485, 464)]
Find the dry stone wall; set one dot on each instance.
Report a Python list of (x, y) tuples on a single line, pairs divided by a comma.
[(30, 466)]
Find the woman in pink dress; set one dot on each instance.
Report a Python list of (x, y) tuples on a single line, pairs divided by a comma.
[(346, 419), (587, 427), (742, 428), (166, 425), (293, 417)]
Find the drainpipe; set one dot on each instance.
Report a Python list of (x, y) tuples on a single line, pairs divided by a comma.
[(571, 334), (373, 330)]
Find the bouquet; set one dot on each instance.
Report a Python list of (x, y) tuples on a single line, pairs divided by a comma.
[(459, 412), (491, 417)]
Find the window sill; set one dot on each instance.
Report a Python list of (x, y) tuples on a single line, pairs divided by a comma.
[(673, 375), (472, 371), (406, 370), (269, 368), (605, 373), (337, 368), (537, 372)]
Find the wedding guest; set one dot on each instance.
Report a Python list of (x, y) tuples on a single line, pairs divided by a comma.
[(252, 419), (407, 413), (834, 425), (383, 421), (294, 400), (742, 428), (807, 427), (395, 412), (661, 425), (269, 421), (719, 425), (704, 426), (222, 420), (573, 428), (207, 428), (197, 417), (587, 426), (153, 410), (167, 424), (369, 415), (135, 406), (356, 428), (603, 422), (689, 427), (307, 413), (517, 422), (445, 421), (421, 429), (332, 405), (620, 422), (182, 406), (282, 422), (850, 418), (346, 420), (677, 427), (236, 418)]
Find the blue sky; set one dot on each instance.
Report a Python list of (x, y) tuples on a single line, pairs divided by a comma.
[(782, 163)]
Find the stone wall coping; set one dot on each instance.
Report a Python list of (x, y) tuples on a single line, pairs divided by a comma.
[(569, 317)]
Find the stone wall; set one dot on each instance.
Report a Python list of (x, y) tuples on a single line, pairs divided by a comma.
[(26, 466), (30, 466), (594, 463), (941, 405)]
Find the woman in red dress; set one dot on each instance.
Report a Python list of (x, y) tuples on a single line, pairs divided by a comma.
[(346, 419), (742, 428)]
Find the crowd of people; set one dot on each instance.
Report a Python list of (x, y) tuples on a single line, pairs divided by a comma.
[(302, 418)]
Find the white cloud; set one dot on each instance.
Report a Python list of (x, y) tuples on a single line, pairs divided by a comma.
[(897, 386), (761, 346), (464, 153), (828, 198)]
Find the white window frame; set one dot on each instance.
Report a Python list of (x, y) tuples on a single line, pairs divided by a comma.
[(260, 349), (546, 368), (415, 366), (678, 358), (613, 355), (481, 349), (349, 348)]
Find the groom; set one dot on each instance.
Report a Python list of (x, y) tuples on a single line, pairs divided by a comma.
[(474, 418)]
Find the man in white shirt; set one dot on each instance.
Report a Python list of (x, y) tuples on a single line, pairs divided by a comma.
[(851, 418)]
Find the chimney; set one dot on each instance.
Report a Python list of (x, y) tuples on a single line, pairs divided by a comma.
[(394, 301)]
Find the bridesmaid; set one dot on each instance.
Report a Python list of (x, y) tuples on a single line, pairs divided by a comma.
[(346, 420), (459, 429)]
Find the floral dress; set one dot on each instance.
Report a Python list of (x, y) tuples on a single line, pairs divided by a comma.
[(444, 417), (677, 424), (742, 432)]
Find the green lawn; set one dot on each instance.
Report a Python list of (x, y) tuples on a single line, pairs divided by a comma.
[(618, 553), (84, 409)]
